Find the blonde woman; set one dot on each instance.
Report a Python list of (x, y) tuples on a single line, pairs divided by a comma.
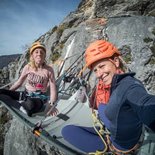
[(38, 76)]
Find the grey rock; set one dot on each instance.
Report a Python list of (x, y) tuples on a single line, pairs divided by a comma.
[(128, 24)]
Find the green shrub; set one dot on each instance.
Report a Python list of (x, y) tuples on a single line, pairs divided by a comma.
[(55, 56), (147, 40), (153, 31), (152, 60), (127, 58), (61, 28), (54, 29), (153, 49)]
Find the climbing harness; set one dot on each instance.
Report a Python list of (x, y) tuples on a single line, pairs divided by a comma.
[(102, 133), (110, 149), (38, 94), (116, 151)]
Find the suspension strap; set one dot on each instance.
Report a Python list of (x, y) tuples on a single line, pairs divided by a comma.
[(82, 70), (6, 85)]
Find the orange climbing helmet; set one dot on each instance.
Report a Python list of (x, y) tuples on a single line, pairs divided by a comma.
[(37, 45), (98, 50)]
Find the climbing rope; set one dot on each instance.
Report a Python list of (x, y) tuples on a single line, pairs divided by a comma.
[(68, 69), (102, 132)]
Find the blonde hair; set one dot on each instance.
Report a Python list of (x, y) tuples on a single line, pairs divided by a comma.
[(32, 63)]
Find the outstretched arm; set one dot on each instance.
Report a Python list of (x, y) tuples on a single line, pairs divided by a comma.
[(20, 81), (143, 104), (50, 109)]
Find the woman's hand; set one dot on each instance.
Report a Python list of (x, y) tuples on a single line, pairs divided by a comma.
[(51, 109)]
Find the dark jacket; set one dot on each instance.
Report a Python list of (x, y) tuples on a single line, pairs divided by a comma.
[(129, 107)]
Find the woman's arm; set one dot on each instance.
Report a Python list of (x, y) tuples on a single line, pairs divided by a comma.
[(52, 84), (143, 104), (21, 79)]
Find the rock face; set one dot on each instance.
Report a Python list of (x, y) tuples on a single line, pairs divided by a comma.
[(130, 25)]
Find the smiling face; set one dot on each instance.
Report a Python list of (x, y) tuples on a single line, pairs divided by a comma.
[(105, 69), (38, 55)]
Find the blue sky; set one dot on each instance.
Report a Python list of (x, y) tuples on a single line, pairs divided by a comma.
[(23, 21)]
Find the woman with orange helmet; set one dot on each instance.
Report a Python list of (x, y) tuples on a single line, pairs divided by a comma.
[(37, 75), (122, 102)]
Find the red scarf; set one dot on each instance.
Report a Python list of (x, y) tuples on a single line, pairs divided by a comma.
[(102, 93)]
